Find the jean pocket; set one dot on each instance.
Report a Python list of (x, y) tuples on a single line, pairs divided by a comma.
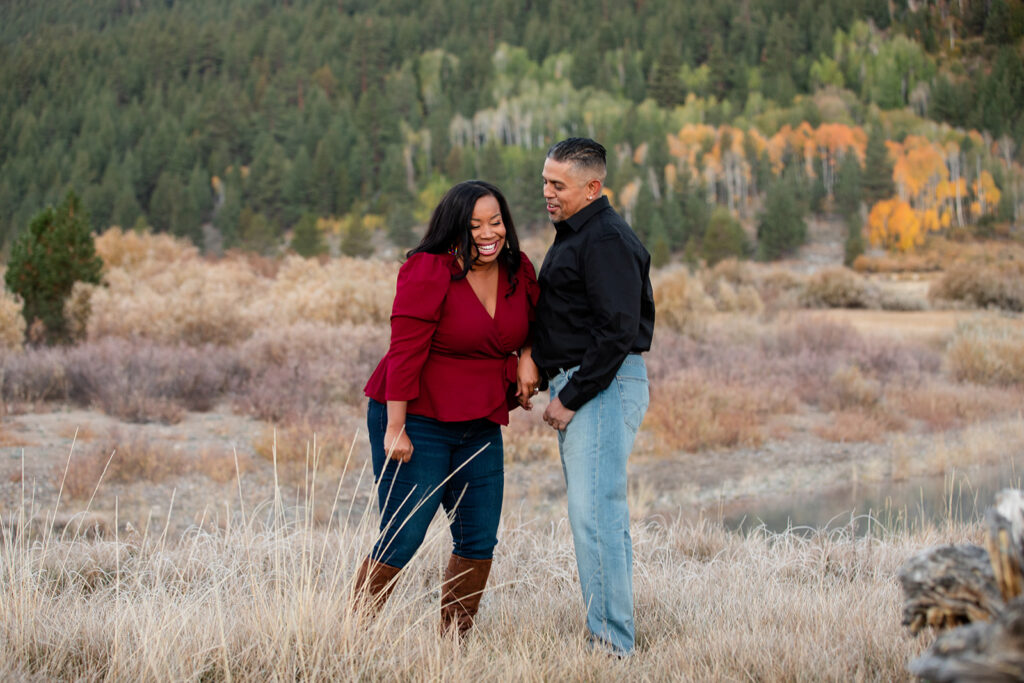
[(634, 397)]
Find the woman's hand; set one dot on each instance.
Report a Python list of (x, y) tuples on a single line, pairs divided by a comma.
[(397, 443), (527, 379)]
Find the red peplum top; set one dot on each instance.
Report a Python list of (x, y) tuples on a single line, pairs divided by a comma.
[(448, 358)]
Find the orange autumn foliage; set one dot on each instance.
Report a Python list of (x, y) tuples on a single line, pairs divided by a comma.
[(894, 225)]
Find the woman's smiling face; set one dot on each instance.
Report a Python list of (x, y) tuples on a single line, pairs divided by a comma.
[(488, 231)]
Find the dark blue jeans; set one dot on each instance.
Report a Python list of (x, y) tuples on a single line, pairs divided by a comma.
[(458, 465)]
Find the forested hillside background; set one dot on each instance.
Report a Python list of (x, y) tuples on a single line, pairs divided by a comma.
[(271, 121)]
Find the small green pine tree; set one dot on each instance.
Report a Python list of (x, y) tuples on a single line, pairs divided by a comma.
[(877, 183), (854, 245), (724, 238), (357, 241), (46, 260), (307, 240), (781, 228)]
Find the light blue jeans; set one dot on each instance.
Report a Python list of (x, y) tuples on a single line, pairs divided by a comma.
[(594, 449)]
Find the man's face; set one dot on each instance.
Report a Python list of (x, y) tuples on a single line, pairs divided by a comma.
[(565, 189)]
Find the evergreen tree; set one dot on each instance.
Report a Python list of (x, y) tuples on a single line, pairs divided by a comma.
[(661, 253), (848, 189), (306, 239), (781, 228), (998, 23), (300, 191), (358, 239), (46, 260), (166, 206), (780, 60), (854, 245), (724, 237), (877, 181), (643, 214), (877, 11), (126, 208), (254, 232), (400, 225), (228, 216), (200, 196), (666, 87)]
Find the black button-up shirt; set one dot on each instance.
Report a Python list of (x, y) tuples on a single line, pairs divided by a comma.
[(596, 303)]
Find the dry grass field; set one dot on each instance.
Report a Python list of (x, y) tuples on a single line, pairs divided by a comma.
[(184, 492)]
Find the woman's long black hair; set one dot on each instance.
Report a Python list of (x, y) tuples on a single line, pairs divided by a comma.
[(451, 226)]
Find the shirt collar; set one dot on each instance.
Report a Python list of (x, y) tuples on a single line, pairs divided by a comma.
[(578, 219)]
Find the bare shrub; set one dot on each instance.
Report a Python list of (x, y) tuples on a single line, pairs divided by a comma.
[(81, 474), (943, 407), (34, 375), (78, 308), (852, 426), (680, 300), (143, 382), (839, 288), (691, 412), (998, 284), (305, 443), (221, 466), (12, 323), (806, 355), (853, 390), (300, 371), (132, 457), (188, 301), (11, 437), (748, 300), (902, 263), (781, 289), (133, 250), (818, 336), (733, 271), (160, 289), (731, 380), (343, 290), (988, 352)]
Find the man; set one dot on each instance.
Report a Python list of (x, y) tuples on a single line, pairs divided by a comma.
[(594, 318)]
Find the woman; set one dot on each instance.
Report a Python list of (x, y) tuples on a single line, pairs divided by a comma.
[(461, 313)]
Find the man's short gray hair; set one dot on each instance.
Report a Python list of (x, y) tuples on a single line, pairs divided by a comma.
[(583, 153)]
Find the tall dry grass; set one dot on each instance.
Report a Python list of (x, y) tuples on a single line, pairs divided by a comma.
[(265, 594)]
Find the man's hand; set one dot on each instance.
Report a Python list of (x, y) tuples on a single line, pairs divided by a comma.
[(397, 443), (557, 415)]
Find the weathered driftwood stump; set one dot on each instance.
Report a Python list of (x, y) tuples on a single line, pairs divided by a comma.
[(971, 595)]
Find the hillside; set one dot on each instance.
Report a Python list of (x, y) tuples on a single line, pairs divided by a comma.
[(357, 115)]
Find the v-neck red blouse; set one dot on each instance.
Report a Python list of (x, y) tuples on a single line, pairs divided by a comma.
[(448, 357)]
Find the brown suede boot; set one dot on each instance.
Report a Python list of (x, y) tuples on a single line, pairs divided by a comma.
[(464, 582), (374, 583)]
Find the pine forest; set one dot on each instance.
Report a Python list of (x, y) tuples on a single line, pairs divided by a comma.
[(259, 125)]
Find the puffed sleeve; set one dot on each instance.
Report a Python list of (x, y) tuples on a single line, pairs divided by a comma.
[(422, 285), (529, 278)]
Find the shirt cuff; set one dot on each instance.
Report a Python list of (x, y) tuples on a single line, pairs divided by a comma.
[(571, 396)]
